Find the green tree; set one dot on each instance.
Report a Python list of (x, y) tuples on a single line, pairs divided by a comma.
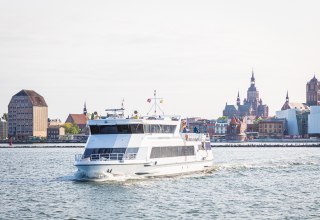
[(71, 128), (223, 118)]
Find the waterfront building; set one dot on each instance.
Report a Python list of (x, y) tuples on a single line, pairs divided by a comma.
[(313, 92), (252, 130), (27, 115), (236, 130), (272, 128), (3, 129), (252, 105), (296, 115), (55, 132), (54, 122), (221, 128), (314, 121), (211, 125), (202, 126), (80, 120), (55, 129)]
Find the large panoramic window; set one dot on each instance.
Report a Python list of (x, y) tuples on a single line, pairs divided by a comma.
[(177, 151), (159, 128), (117, 129), (110, 153)]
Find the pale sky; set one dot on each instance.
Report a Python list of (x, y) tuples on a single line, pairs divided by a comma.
[(196, 54)]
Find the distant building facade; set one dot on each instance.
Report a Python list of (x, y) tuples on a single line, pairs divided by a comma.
[(313, 92), (80, 120), (272, 128), (221, 127), (314, 121), (252, 105), (296, 115), (202, 126), (54, 122), (3, 130), (55, 129), (236, 130), (55, 132), (27, 115)]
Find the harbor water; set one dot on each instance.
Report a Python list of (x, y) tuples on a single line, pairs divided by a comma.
[(246, 183)]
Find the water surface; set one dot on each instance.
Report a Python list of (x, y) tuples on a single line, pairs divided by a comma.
[(255, 183)]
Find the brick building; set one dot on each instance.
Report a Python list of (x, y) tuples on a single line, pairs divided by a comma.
[(55, 129), (27, 115), (272, 128), (80, 120), (313, 92), (236, 130)]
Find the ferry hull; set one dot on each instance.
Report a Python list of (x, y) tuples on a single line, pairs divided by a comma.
[(94, 171)]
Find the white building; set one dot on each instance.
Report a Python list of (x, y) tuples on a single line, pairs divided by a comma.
[(314, 121), (292, 123), (295, 114), (221, 127)]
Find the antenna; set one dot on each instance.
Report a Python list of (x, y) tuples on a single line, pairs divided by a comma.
[(155, 104), (115, 111)]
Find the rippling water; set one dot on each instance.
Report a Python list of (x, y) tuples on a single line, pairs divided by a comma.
[(260, 183)]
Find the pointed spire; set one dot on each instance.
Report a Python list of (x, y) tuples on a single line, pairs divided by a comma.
[(85, 108), (287, 97), (314, 76), (238, 99), (252, 77)]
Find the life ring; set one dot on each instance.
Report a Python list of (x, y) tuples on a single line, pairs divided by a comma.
[(186, 137)]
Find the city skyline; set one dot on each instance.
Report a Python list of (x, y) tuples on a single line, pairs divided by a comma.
[(197, 56)]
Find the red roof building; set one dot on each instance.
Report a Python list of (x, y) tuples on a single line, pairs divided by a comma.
[(78, 119)]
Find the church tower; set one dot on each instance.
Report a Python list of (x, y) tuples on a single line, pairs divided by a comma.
[(253, 93), (313, 92), (286, 104)]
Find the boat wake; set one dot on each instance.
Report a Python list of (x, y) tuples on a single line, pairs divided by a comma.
[(267, 164)]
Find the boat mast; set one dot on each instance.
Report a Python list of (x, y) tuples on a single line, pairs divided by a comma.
[(155, 105)]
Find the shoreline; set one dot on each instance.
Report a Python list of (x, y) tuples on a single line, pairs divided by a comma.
[(213, 145), (44, 145)]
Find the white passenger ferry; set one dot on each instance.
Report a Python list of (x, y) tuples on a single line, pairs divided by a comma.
[(145, 146)]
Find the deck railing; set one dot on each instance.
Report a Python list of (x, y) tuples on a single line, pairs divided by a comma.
[(194, 136), (106, 157)]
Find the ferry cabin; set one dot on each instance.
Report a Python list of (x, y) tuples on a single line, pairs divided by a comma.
[(150, 139)]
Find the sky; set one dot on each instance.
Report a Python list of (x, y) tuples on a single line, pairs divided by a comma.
[(197, 54)]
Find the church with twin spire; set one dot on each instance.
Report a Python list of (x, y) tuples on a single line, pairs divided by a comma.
[(251, 106)]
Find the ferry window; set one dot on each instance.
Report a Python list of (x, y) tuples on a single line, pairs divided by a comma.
[(133, 150), (108, 129), (94, 129), (89, 151), (155, 129), (117, 129), (177, 151), (137, 129), (146, 128), (160, 128), (124, 129)]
